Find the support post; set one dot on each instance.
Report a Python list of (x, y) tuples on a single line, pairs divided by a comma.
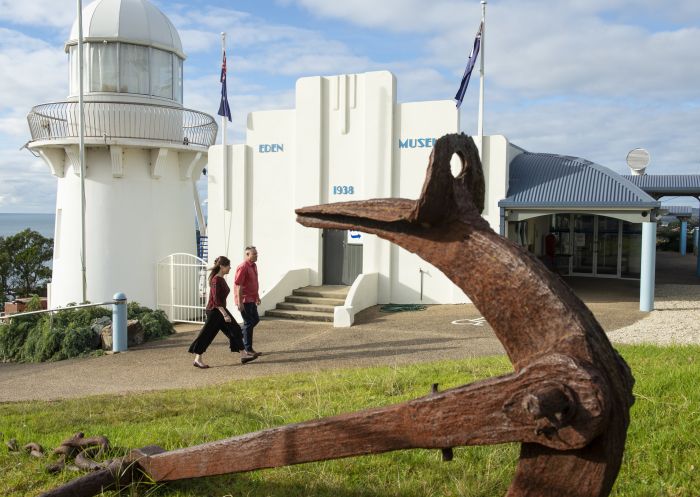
[(697, 251), (684, 236), (648, 269), (119, 337), (480, 124)]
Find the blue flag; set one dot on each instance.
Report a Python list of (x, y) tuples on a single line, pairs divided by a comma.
[(224, 109), (470, 66)]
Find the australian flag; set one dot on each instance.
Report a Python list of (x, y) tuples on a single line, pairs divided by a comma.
[(470, 65), (224, 109)]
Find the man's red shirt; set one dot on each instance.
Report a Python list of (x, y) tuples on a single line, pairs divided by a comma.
[(247, 278)]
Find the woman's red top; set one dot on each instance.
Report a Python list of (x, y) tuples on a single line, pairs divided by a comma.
[(218, 291)]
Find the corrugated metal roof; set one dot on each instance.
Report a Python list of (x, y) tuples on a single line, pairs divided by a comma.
[(671, 184), (559, 181), (679, 210)]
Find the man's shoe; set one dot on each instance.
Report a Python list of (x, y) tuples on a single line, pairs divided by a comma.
[(200, 365), (256, 354), (247, 358)]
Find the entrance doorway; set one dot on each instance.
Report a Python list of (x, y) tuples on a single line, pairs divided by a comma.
[(342, 262), (592, 245)]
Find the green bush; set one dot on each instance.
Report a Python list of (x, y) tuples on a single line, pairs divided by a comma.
[(69, 333), (156, 325), (42, 343), (155, 322), (13, 335)]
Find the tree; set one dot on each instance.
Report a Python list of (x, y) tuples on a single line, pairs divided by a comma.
[(28, 253)]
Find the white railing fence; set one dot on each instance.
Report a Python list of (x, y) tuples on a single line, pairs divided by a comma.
[(182, 288)]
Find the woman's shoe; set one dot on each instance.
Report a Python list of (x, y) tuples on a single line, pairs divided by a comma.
[(247, 358), (200, 365)]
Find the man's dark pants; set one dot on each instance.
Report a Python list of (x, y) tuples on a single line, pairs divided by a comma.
[(250, 319)]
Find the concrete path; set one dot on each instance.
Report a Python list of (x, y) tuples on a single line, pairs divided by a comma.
[(288, 346)]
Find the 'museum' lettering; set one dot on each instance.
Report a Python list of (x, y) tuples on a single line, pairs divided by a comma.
[(417, 143)]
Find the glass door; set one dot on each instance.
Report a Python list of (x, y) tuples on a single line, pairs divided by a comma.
[(631, 259), (562, 230), (608, 246), (584, 246)]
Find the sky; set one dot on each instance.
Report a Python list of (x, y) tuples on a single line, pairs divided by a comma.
[(588, 78)]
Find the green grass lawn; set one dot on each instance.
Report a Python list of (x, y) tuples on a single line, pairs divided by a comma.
[(662, 456)]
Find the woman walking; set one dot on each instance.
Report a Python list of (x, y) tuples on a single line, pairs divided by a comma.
[(219, 318)]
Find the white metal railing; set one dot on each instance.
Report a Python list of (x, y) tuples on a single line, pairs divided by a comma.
[(56, 309), (59, 120), (182, 288)]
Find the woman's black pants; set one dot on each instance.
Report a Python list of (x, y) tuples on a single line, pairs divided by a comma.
[(215, 323)]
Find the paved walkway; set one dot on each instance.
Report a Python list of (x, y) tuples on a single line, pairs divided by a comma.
[(288, 346)]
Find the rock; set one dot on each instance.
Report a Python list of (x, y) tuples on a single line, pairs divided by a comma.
[(134, 332), (97, 326)]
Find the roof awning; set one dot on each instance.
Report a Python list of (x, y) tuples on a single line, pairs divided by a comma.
[(661, 185), (549, 182)]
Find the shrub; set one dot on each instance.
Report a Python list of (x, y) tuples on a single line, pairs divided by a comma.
[(78, 342), (70, 333), (155, 322)]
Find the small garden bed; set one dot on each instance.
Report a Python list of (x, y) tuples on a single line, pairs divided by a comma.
[(70, 332)]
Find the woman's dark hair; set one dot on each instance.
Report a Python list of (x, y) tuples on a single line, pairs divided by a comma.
[(218, 262)]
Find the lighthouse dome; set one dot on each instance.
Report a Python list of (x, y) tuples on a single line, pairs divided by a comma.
[(130, 48), (129, 21)]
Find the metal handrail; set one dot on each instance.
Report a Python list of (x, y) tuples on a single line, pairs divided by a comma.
[(56, 309), (110, 120)]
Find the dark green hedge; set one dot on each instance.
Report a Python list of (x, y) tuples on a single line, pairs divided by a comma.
[(69, 333)]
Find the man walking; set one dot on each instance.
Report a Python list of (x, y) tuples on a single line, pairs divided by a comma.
[(247, 298)]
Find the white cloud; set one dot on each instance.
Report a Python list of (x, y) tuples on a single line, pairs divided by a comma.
[(35, 72), (53, 13), (394, 15), (570, 53), (587, 47), (438, 15), (27, 185), (603, 132), (255, 45)]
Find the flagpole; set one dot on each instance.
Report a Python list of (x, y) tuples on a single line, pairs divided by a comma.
[(81, 155), (227, 200), (480, 127)]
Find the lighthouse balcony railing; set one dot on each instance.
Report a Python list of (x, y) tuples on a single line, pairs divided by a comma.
[(122, 120)]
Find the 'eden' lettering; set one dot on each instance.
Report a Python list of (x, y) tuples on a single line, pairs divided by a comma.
[(270, 148)]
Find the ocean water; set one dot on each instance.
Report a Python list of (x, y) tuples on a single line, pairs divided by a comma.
[(14, 223)]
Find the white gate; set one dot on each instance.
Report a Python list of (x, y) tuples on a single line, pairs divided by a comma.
[(182, 288)]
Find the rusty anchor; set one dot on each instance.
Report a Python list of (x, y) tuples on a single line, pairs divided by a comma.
[(567, 401)]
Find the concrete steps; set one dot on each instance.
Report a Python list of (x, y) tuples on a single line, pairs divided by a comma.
[(298, 299), (312, 303)]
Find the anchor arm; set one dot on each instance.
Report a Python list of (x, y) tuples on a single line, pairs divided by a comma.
[(522, 407)]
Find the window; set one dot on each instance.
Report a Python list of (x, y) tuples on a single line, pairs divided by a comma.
[(161, 73), (74, 88), (133, 61), (104, 67), (177, 72)]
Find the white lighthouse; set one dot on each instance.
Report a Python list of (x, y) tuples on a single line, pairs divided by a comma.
[(143, 154)]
